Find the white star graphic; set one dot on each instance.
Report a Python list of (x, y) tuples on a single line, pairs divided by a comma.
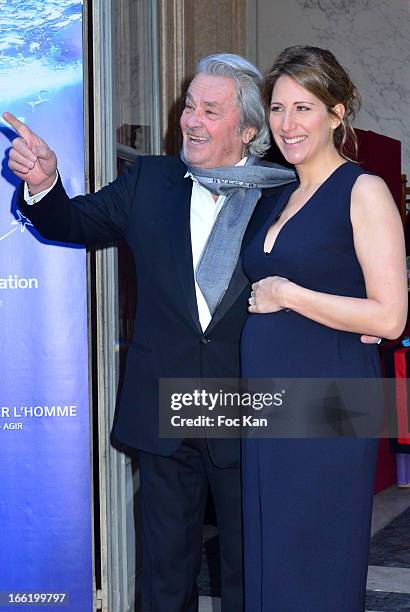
[(20, 222)]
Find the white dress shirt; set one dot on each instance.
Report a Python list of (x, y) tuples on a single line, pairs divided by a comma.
[(204, 211), (33, 199)]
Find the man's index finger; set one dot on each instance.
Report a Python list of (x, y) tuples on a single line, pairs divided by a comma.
[(21, 128)]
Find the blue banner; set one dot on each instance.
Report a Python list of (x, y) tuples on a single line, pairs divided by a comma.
[(45, 506)]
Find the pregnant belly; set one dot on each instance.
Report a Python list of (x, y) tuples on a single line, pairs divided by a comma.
[(286, 344)]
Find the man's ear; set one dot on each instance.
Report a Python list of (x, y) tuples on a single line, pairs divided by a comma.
[(339, 110), (248, 134)]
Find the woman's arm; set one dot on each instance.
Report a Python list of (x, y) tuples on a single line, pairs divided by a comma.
[(379, 244)]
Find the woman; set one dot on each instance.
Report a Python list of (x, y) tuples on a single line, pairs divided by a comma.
[(328, 265)]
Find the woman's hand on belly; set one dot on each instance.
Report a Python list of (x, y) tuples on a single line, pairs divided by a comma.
[(268, 295), (274, 293)]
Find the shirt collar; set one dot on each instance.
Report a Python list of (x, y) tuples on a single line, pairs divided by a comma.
[(240, 163)]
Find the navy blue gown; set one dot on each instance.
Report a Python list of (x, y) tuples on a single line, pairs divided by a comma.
[(307, 502)]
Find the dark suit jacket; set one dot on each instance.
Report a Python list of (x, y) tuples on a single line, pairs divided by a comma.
[(149, 208)]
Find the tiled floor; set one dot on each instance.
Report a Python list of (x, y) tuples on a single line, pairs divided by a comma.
[(388, 584)]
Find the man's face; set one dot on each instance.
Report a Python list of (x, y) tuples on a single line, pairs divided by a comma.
[(210, 123)]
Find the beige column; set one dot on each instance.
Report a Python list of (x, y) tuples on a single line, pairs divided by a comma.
[(189, 30)]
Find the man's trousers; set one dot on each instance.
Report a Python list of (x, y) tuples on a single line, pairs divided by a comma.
[(173, 498)]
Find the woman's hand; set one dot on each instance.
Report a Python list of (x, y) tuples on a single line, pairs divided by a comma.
[(380, 249), (269, 294)]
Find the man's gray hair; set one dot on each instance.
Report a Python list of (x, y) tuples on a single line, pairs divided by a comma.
[(248, 80)]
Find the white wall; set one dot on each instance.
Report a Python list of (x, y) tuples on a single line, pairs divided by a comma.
[(371, 38)]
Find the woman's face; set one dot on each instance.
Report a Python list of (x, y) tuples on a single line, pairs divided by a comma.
[(301, 124)]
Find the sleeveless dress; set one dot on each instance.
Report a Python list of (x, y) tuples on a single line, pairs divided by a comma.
[(307, 502)]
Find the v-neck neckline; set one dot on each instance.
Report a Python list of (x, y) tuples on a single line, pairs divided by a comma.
[(267, 253)]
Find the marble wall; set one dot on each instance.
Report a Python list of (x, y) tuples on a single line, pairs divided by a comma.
[(371, 38)]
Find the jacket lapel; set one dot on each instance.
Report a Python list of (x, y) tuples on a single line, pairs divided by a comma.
[(179, 232), (237, 284), (239, 280), (178, 196)]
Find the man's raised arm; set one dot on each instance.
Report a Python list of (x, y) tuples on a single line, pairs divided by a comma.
[(93, 218), (31, 159)]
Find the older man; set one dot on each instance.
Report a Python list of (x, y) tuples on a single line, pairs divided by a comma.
[(184, 221)]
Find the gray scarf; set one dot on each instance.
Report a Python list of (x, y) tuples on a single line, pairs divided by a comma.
[(242, 187)]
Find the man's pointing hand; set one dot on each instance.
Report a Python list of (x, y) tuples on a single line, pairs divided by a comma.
[(31, 159)]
